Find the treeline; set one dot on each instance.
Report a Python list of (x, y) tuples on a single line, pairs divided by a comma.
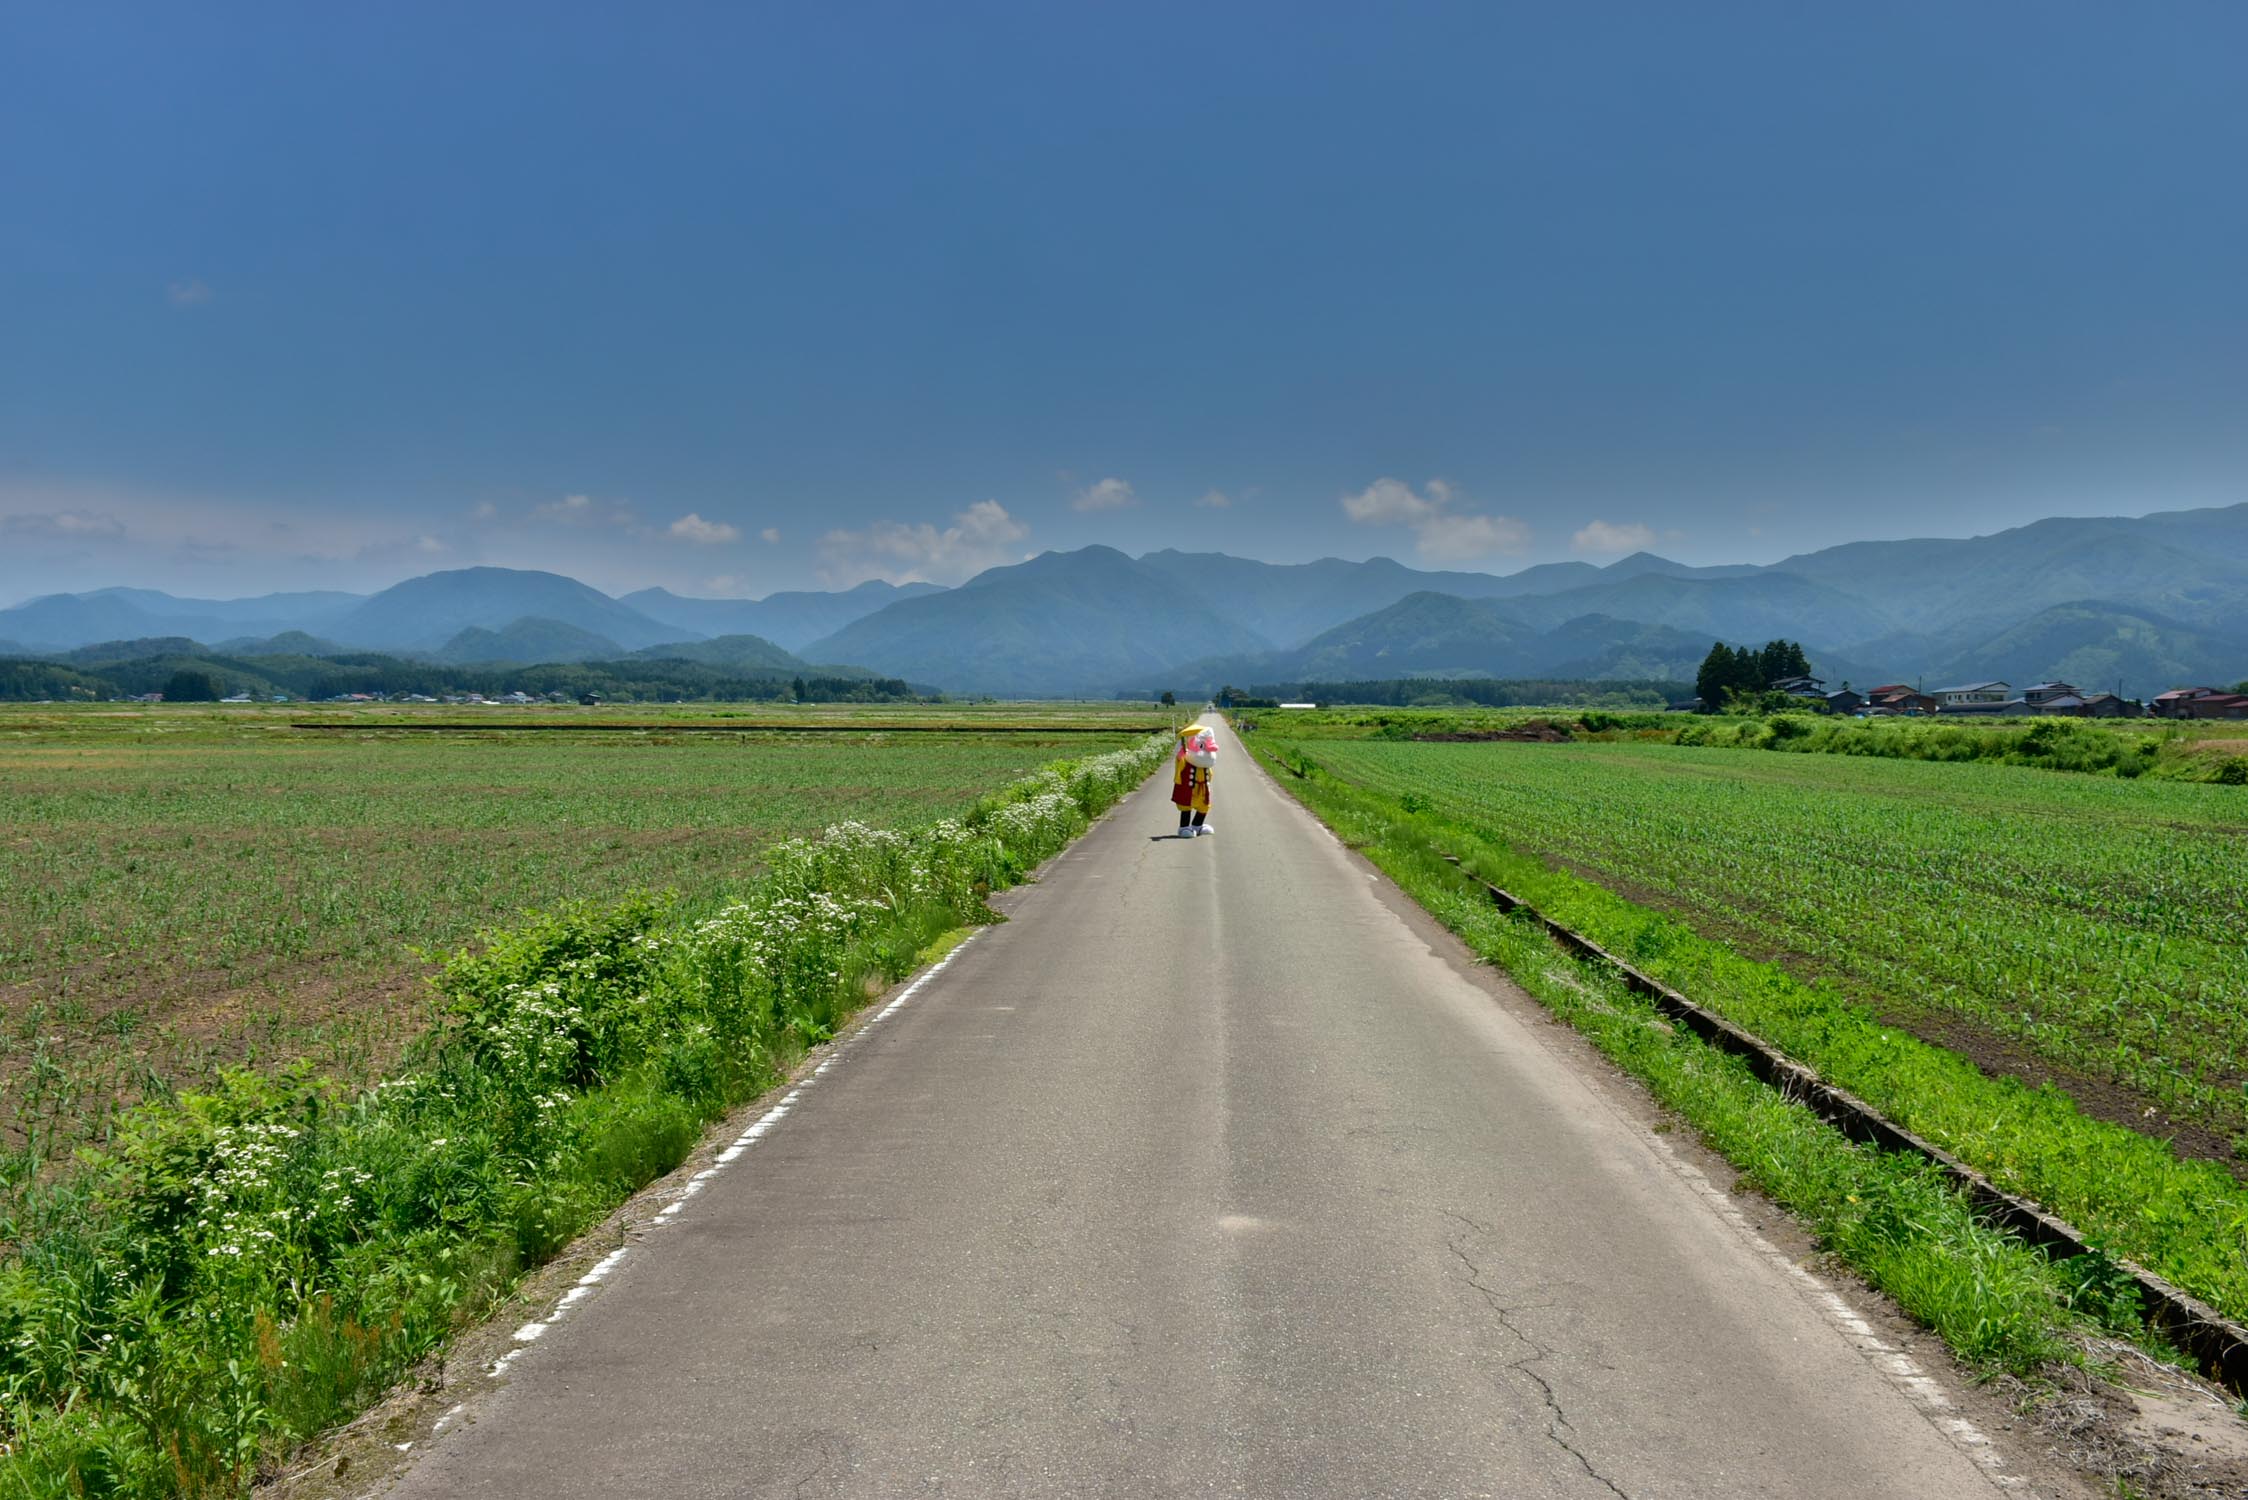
[(1738, 672), (317, 677), (46, 681), (1486, 692)]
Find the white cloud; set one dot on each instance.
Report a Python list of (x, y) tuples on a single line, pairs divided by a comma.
[(1440, 533), (485, 511), (584, 510), (1214, 500), (1600, 536), (1389, 502), (63, 524), (726, 586), (979, 537), (568, 508), (188, 293), (72, 534), (429, 544), (770, 536), (1109, 494), (691, 527)]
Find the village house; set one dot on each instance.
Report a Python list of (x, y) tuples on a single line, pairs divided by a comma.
[(2057, 698), (1898, 698), (1979, 698), (2200, 703)]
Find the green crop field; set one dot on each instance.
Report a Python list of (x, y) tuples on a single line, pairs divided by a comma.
[(2101, 925), (184, 888)]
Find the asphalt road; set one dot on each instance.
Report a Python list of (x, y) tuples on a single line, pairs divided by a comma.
[(1205, 1174)]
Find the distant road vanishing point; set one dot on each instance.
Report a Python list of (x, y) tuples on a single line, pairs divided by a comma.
[(1215, 1171)]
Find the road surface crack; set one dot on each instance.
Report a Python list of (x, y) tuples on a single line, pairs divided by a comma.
[(1559, 1431)]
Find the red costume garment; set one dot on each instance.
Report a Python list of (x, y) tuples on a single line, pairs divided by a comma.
[(1190, 785)]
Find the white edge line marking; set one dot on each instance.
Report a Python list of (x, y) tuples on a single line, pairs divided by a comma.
[(1900, 1369), (529, 1333)]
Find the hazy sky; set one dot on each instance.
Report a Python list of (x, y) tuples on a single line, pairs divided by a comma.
[(736, 298)]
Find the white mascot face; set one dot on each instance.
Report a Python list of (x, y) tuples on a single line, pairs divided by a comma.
[(1202, 749)]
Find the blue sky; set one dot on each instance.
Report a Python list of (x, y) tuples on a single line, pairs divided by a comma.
[(738, 298)]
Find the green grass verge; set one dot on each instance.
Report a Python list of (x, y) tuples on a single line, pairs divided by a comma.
[(238, 1271), (1895, 1220)]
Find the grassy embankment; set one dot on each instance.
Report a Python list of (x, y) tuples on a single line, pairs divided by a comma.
[(230, 1273), (1522, 815)]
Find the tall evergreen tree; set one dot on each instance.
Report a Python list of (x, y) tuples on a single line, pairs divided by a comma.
[(190, 685), (1717, 677)]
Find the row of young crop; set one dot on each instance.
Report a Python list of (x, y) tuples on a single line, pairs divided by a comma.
[(1499, 808), (236, 1273)]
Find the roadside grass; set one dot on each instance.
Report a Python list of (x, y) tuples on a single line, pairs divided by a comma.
[(1996, 1301), (240, 1269), (186, 890)]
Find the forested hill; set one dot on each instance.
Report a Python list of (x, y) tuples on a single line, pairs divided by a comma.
[(195, 674)]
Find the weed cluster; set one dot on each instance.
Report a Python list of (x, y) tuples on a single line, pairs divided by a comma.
[(241, 1269)]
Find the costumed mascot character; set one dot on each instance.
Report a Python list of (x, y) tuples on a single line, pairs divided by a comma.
[(1190, 779)]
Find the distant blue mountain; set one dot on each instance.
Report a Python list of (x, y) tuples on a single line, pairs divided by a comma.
[(2149, 602), (790, 620), (61, 621), (525, 642), (2026, 598), (1062, 623), (427, 613)]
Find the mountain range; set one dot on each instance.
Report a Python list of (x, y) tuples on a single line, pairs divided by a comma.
[(789, 620), (2142, 603)]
